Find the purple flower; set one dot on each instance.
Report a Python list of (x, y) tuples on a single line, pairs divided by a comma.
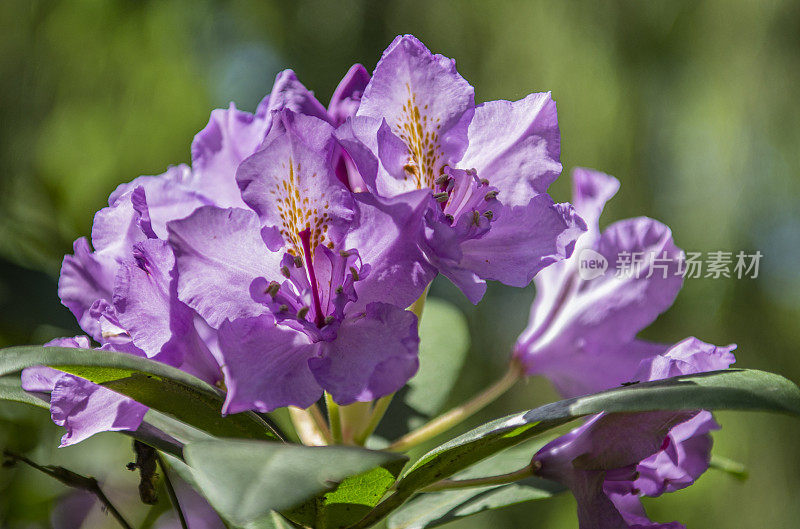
[(612, 460), (81, 407), (305, 284), (122, 286), (584, 322), (583, 327), (483, 170)]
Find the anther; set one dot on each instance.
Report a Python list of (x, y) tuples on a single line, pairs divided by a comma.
[(441, 197), (488, 214), (285, 272), (344, 253), (283, 308), (328, 320), (442, 180), (476, 217), (451, 219), (298, 261), (273, 288), (339, 289), (354, 273), (491, 195), (484, 182), (301, 314)]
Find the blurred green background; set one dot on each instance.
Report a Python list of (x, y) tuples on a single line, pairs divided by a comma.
[(691, 104)]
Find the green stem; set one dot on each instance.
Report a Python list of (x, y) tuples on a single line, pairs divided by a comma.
[(451, 484), (71, 479), (460, 413), (334, 419), (377, 414), (173, 497)]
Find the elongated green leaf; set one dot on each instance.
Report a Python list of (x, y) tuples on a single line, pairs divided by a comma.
[(154, 384), (10, 389), (245, 480), (444, 341), (437, 508), (741, 389)]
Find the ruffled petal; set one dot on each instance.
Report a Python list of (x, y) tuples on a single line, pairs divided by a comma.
[(604, 312), (290, 94), (522, 241), (218, 253), (426, 104), (266, 366), (230, 136), (85, 278), (84, 409), (373, 355), (386, 236), (516, 146)]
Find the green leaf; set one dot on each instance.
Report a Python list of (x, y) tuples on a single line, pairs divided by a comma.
[(444, 341), (150, 432), (437, 508), (154, 384), (245, 480), (741, 389), (350, 501), (10, 389)]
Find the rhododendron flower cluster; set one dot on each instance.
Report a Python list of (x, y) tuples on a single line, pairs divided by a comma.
[(288, 263)]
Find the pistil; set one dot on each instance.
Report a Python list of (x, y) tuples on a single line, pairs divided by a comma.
[(305, 238)]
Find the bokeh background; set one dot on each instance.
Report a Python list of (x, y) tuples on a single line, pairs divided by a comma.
[(691, 104)]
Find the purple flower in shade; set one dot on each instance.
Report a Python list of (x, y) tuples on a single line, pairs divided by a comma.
[(483, 170), (121, 287), (612, 460), (305, 287)]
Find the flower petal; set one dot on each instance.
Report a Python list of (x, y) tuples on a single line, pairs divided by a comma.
[(386, 237), (84, 409), (218, 253), (347, 96), (266, 365), (522, 241), (516, 146), (425, 102), (291, 184), (373, 355)]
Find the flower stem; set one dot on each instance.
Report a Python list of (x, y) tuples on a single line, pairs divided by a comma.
[(310, 425), (502, 479), (378, 411), (173, 497), (334, 419), (71, 479), (458, 414)]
